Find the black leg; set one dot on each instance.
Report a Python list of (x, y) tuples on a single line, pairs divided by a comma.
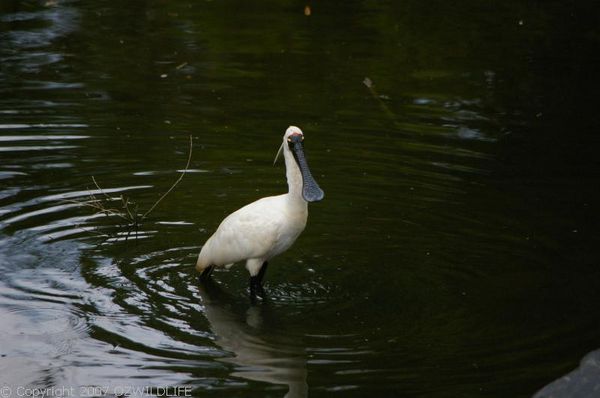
[(262, 272), (256, 287), (205, 275)]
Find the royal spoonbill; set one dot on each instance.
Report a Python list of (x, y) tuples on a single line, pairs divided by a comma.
[(267, 227)]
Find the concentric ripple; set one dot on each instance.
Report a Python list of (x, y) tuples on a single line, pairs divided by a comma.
[(453, 254)]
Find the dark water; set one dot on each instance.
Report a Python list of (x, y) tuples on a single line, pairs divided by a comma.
[(456, 251)]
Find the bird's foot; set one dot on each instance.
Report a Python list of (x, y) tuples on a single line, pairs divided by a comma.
[(256, 289)]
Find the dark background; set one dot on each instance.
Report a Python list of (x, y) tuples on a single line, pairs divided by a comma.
[(456, 251)]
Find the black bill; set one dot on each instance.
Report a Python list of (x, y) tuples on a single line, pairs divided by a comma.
[(311, 192)]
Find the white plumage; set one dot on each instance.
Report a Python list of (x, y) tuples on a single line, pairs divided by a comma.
[(267, 227)]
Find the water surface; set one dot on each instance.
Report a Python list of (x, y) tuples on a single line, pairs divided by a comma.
[(455, 253)]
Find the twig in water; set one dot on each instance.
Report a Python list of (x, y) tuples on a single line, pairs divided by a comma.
[(100, 189), (174, 184), (131, 217), (369, 83)]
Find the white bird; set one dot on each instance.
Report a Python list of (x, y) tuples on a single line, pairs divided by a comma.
[(267, 227)]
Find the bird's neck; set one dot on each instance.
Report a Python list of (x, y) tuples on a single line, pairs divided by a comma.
[(294, 178)]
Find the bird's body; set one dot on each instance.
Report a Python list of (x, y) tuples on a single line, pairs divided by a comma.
[(267, 227), (256, 233)]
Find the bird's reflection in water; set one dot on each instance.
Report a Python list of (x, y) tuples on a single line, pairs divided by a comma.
[(250, 333)]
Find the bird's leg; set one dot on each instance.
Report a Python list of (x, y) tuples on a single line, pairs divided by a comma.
[(205, 275), (255, 288), (262, 272), (256, 282)]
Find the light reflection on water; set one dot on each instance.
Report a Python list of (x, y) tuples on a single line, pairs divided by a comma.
[(429, 270)]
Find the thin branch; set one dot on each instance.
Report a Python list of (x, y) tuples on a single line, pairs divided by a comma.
[(174, 184), (96, 204), (125, 201), (127, 216), (100, 189), (369, 84)]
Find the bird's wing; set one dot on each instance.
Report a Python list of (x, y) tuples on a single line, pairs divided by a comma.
[(249, 232)]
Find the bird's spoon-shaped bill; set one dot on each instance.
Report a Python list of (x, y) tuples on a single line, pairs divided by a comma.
[(311, 192)]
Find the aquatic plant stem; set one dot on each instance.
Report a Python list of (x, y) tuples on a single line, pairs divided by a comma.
[(174, 184)]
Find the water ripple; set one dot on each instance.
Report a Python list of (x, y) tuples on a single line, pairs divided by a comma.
[(18, 126)]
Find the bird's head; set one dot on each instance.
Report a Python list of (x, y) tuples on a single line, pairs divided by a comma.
[(293, 134), (292, 144)]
